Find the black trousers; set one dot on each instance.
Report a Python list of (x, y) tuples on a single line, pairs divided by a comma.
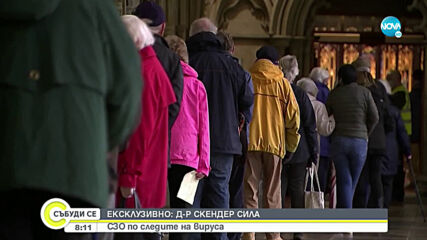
[(236, 183), (175, 175), (293, 176), (369, 190), (236, 180), (399, 184), (323, 172), (21, 219), (387, 189), (236, 189)]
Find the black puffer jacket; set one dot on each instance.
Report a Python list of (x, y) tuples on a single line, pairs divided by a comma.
[(172, 66), (307, 147), (397, 143), (227, 88), (377, 139)]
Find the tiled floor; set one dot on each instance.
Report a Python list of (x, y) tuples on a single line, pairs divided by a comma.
[(405, 222)]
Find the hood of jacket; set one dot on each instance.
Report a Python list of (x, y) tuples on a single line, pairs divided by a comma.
[(188, 71), (265, 72), (308, 86), (23, 10), (321, 85), (203, 41)]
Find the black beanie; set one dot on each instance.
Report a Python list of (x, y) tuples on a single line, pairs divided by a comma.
[(268, 52)]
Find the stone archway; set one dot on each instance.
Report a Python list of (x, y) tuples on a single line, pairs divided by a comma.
[(286, 24), (294, 20)]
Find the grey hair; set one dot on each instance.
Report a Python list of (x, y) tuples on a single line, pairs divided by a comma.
[(138, 31), (202, 25), (289, 65), (178, 45), (319, 74)]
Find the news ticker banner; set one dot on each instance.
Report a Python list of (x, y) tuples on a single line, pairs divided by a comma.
[(57, 214)]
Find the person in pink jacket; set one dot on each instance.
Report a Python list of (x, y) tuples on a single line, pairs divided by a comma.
[(189, 149), (142, 166)]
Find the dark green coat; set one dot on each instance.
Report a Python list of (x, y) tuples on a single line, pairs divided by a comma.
[(354, 110), (70, 89)]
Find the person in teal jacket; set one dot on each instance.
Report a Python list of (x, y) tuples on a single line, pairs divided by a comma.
[(70, 87)]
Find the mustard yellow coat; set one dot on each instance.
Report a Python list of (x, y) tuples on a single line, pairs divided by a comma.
[(276, 118)]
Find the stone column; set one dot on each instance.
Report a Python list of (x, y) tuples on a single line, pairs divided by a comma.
[(423, 141)]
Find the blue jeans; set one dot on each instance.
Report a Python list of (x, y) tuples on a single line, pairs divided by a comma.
[(215, 192), (349, 156)]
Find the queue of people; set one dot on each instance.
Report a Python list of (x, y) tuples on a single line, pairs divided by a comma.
[(164, 108)]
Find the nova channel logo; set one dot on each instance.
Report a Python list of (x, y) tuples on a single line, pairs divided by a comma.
[(391, 27)]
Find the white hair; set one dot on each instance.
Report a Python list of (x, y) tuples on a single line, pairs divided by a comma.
[(319, 74), (154, 29), (202, 25), (138, 31), (289, 65)]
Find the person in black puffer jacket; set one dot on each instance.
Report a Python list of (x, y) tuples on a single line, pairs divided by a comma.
[(294, 167), (153, 15), (397, 144), (369, 191), (228, 95)]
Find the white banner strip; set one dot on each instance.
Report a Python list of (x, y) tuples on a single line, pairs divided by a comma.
[(303, 227)]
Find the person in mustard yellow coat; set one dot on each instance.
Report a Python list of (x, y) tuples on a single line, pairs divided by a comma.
[(273, 132)]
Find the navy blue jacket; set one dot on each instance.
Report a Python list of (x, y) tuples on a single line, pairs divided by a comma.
[(227, 89), (248, 112), (322, 96), (307, 147), (397, 143)]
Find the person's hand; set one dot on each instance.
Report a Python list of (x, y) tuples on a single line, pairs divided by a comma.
[(288, 156), (311, 161), (127, 192), (200, 175), (241, 122)]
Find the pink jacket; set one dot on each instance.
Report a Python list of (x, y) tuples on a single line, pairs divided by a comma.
[(190, 132)]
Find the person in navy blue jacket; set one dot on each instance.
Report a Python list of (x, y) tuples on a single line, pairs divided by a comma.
[(238, 169), (397, 144), (321, 77), (228, 95)]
